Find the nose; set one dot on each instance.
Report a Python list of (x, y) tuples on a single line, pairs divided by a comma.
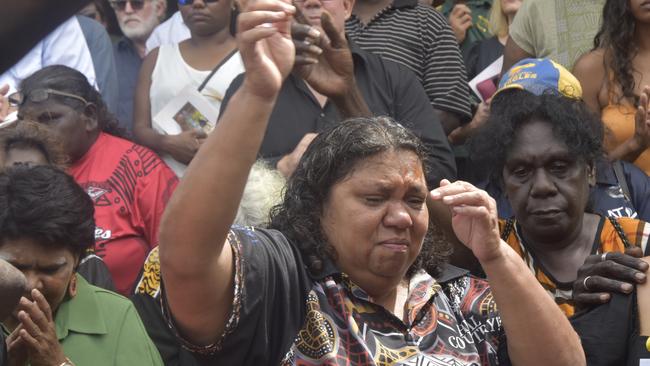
[(33, 281), (398, 216), (542, 184), (198, 4), (128, 9)]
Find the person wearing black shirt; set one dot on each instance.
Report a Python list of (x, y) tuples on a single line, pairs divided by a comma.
[(303, 107)]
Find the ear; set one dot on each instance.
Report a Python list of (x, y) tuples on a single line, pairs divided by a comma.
[(348, 5), (72, 286), (591, 175), (161, 9), (90, 116)]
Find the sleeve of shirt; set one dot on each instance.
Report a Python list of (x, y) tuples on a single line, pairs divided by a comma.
[(523, 30), (134, 345), (639, 185), (101, 52), (153, 191), (472, 297), (268, 310), (412, 109), (444, 77), (67, 46)]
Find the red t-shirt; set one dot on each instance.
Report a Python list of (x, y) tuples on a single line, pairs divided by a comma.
[(130, 186)]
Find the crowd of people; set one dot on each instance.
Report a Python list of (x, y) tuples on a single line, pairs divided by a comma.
[(327, 182)]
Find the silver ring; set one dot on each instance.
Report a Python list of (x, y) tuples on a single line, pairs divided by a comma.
[(603, 257), (584, 283)]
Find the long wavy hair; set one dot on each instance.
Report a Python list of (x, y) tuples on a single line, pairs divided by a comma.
[(331, 157), (616, 38), (66, 79)]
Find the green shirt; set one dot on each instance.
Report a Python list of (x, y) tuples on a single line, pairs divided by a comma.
[(561, 30), (99, 327), (480, 28)]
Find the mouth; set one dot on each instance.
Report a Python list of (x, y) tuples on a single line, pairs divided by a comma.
[(396, 244), (199, 17), (546, 213)]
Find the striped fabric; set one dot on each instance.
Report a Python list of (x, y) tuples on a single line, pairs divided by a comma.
[(636, 231), (418, 37)]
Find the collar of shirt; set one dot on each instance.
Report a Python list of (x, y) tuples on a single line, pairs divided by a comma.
[(605, 173), (81, 314)]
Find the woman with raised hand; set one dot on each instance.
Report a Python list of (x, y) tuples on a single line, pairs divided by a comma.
[(338, 279)]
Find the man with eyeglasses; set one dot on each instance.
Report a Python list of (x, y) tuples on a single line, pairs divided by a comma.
[(137, 19)]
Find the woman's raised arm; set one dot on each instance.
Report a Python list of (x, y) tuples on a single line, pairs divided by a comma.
[(196, 266)]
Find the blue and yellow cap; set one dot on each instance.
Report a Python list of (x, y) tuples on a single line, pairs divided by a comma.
[(539, 75)]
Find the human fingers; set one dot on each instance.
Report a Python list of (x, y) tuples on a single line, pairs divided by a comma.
[(336, 39), (635, 252), (590, 298), (466, 20), (448, 189), (29, 340), (199, 134), (4, 90), (307, 48), (29, 325), (460, 10), (273, 5), (467, 198), (42, 304), (626, 261), (305, 32), (604, 284), (613, 270), (260, 19)]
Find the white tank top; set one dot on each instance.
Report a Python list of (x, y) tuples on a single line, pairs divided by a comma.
[(171, 74)]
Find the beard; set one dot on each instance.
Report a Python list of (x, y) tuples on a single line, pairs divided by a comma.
[(140, 29)]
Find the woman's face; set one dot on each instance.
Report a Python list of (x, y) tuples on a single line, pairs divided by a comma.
[(46, 268), (206, 18), (376, 218), (71, 127), (640, 10), (510, 7), (547, 186)]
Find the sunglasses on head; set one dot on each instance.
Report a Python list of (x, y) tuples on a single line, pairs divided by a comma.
[(190, 2), (121, 4), (40, 95)]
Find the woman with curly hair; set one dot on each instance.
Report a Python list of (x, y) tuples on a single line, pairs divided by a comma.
[(615, 76), (338, 277), (128, 183)]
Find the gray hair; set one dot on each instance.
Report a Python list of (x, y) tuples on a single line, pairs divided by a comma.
[(264, 189)]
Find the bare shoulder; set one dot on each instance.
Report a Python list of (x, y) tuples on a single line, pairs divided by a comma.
[(590, 62)]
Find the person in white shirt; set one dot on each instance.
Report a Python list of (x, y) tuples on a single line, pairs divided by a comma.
[(171, 31)]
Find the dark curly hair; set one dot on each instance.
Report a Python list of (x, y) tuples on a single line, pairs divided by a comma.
[(68, 80), (33, 135), (572, 122), (331, 157), (45, 204), (616, 38)]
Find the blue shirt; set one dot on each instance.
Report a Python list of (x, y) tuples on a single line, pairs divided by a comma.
[(127, 62)]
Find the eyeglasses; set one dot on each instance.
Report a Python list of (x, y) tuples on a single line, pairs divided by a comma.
[(40, 95), (121, 4), (190, 2)]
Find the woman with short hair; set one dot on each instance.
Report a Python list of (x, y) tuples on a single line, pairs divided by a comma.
[(46, 224)]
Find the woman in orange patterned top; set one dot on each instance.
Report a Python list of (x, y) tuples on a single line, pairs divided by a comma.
[(542, 150)]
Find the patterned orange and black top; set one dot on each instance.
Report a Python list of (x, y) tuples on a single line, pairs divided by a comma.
[(608, 239)]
